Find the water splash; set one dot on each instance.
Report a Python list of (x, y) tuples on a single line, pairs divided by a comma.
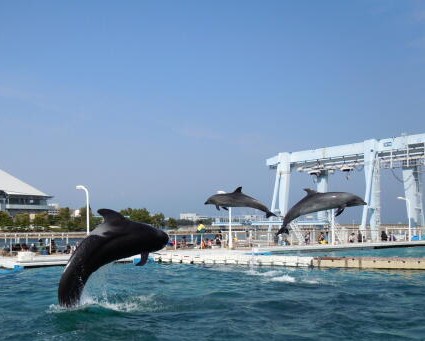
[(129, 304), (284, 278)]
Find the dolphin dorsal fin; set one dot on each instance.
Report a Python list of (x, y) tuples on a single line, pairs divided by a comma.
[(310, 191), (111, 217), (238, 190)]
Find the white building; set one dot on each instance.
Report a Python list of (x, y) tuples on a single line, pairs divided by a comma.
[(17, 196), (192, 217)]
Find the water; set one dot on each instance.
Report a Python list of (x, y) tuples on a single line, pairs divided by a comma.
[(190, 302)]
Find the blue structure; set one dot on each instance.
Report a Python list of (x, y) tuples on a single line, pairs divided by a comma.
[(406, 152)]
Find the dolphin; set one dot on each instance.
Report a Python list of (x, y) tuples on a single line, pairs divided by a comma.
[(115, 239), (237, 199), (317, 201)]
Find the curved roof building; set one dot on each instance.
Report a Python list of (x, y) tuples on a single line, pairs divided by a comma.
[(17, 196)]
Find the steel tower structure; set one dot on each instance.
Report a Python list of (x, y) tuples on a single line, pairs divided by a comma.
[(406, 152)]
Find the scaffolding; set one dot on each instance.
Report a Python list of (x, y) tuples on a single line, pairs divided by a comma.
[(406, 152)]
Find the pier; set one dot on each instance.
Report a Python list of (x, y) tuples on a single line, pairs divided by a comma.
[(266, 256)]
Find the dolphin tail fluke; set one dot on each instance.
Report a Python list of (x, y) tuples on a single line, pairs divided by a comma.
[(270, 214), (283, 229)]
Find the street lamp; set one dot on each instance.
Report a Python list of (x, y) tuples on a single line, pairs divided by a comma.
[(87, 206), (408, 215), (230, 223)]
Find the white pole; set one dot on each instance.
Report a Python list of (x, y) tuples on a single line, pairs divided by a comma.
[(230, 229), (87, 206), (333, 226), (408, 215)]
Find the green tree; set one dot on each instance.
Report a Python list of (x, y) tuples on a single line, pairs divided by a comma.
[(64, 217), (158, 220), (22, 220), (140, 215), (5, 219), (172, 223), (41, 219)]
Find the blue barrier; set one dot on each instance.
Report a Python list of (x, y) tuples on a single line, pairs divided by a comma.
[(16, 268)]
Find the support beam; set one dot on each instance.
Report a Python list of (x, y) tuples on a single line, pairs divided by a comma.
[(407, 151), (413, 192), (322, 186)]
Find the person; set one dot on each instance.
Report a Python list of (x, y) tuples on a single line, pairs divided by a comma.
[(352, 237), (359, 237), (217, 240), (384, 236), (53, 247), (307, 238), (321, 238), (33, 248), (183, 243)]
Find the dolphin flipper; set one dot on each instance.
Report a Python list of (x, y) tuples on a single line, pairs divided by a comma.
[(339, 210), (224, 208), (143, 259), (217, 207)]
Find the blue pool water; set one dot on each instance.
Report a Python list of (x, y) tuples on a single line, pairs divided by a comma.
[(190, 302)]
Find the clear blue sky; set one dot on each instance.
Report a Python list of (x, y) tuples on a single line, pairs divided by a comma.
[(159, 104)]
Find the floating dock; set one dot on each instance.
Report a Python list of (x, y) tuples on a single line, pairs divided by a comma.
[(31, 260), (226, 257), (254, 257)]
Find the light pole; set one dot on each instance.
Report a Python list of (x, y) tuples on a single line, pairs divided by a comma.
[(408, 215), (230, 223), (87, 206)]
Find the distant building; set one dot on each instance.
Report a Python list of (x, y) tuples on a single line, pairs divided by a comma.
[(76, 213), (18, 197), (54, 209), (192, 217)]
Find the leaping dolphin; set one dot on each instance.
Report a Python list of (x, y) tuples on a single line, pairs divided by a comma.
[(317, 201), (115, 239), (237, 199)]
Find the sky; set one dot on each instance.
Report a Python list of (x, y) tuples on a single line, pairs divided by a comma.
[(159, 104)]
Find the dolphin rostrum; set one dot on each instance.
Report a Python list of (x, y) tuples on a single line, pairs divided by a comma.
[(317, 201), (237, 199), (115, 239)]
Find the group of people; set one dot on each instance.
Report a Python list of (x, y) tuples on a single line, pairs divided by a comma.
[(385, 237), (39, 247), (205, 243), (208, 243)]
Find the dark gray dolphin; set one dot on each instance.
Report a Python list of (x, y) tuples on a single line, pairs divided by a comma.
[(115, 239), (237, 199), (317, 201)]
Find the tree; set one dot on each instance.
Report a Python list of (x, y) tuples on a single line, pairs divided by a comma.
[(64, 217), (140, 215), (158, 220), (41, 219), (22, 220), (172, 223), (5, 219)]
